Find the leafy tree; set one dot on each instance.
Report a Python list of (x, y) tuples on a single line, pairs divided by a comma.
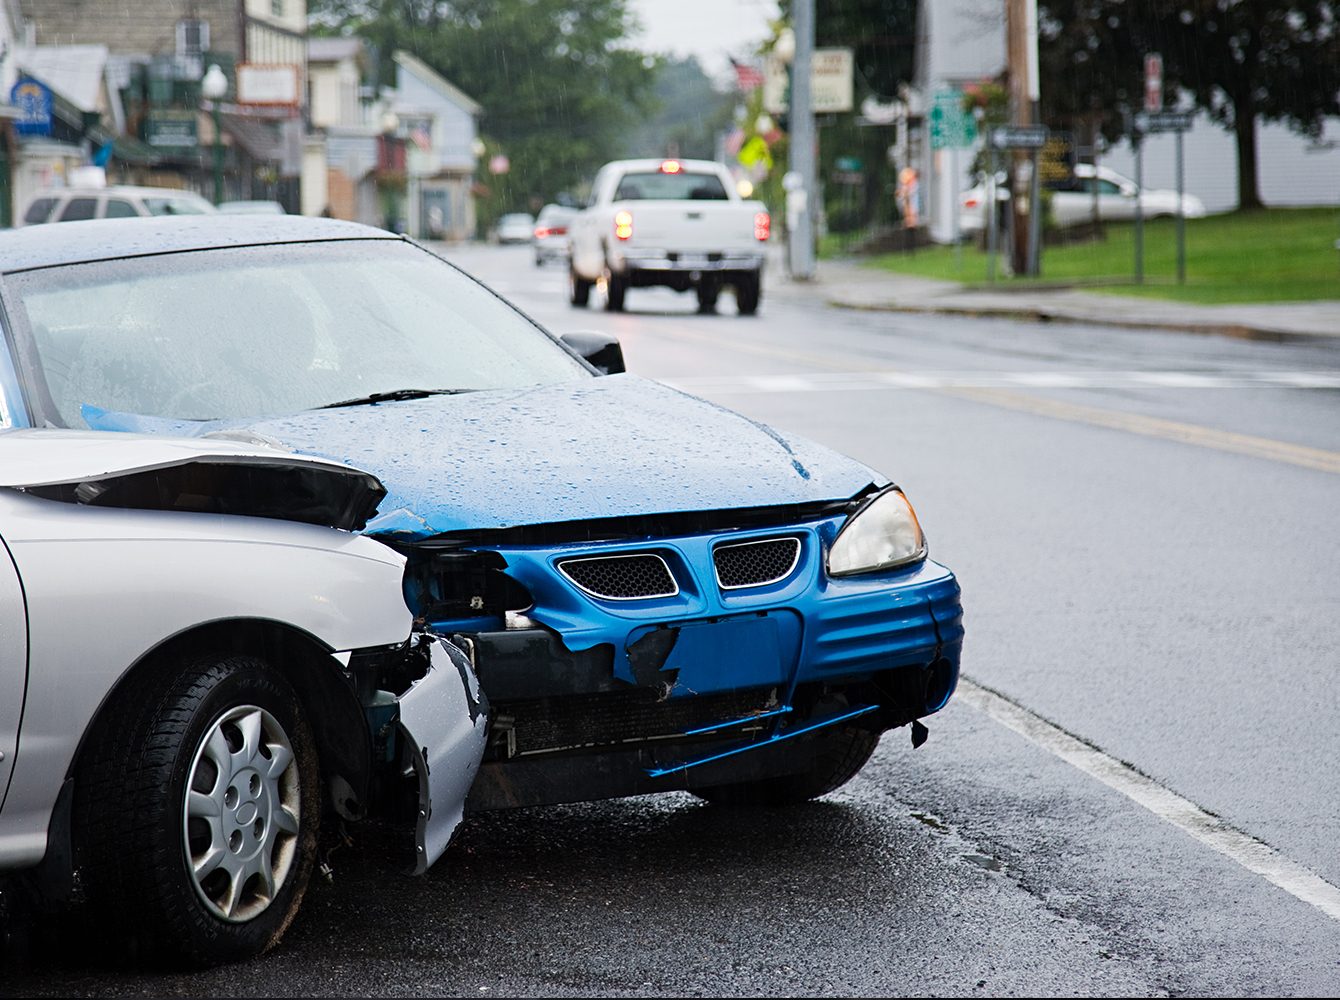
[(1243, 61), (560, 87), (882, 36), (688, 113)]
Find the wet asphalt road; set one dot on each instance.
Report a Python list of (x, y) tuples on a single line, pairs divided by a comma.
[(1175, 604)]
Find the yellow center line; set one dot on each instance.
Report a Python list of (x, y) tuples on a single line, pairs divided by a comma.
[(1156, 427)]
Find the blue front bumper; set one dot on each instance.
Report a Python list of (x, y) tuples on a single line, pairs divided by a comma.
[(744, 669)]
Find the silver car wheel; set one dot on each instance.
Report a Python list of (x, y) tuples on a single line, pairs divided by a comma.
[(240, 824)]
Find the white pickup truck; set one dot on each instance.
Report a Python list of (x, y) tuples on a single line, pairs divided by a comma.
[(678, 223)]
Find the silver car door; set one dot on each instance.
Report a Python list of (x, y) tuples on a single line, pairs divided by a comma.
[(13, 664)]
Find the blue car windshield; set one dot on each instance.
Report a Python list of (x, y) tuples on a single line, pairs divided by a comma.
[(252, 331)]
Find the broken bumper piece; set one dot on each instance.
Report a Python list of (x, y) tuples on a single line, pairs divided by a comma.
[(779, 735), (444, 721)]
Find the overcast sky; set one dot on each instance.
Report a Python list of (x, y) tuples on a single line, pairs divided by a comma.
[(712, 30)]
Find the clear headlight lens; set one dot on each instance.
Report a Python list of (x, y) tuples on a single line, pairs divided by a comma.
[(883, 535)]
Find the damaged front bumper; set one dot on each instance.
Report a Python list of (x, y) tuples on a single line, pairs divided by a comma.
[(433, 737), (707, 686)]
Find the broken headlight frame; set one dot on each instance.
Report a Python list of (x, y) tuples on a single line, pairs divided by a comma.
[(881, 535)]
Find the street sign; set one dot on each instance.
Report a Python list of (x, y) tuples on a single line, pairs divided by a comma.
[(1164, 121), (849, 164), (950, 125), (1153, 82), (830, 83), (1057, 162), (1020, 136)]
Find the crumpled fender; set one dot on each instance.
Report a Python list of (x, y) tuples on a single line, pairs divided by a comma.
[(444, 716)]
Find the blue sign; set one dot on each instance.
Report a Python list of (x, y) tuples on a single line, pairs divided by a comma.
[(33, 101)]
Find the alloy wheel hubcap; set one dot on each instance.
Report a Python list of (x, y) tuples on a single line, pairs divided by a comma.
[(240, 823)]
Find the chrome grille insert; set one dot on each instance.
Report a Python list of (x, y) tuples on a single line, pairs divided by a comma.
[(633, 577), (755, 564)]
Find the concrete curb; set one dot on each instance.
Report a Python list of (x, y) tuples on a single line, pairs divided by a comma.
[(1046, 314)]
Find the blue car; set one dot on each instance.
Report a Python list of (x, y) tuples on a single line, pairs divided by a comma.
[(656, 593)]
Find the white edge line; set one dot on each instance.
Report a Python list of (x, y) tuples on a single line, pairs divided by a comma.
[(1252, 854)]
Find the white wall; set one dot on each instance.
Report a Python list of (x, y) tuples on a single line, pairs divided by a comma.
[(1290, 169)]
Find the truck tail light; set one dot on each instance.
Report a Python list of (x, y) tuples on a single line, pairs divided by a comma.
[(623, 225), (761, 226)]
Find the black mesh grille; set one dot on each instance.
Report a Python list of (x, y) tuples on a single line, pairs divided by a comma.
[(622, 577), (752, 564)]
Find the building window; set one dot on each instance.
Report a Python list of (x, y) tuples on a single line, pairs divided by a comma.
[(277, 8), (192, 38), (192, 43)]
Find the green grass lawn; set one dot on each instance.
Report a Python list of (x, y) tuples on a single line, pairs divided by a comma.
[(1276, 255)]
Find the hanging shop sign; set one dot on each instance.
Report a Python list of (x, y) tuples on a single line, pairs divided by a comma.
[(267, 85), (33, 100), (172, 128)]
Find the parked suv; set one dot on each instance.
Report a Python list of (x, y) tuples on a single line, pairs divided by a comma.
[(77, 204)]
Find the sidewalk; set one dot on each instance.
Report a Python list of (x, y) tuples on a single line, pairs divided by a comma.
[(848, 284)]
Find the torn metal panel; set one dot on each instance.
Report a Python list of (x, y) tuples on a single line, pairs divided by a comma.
[(157, 473), (444, 720)]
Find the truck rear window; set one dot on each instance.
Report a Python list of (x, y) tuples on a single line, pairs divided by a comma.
[(682, 186)]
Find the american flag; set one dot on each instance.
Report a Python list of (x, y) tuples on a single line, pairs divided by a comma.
[(734, 140), (746, 77), (421, 138)]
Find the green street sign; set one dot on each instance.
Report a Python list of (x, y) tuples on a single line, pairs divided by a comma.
[(950, 126)]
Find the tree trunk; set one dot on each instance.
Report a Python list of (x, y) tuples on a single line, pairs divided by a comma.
[(1244, 127)]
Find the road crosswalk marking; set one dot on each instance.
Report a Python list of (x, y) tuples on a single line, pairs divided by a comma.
[(847, 381), (990, 388)]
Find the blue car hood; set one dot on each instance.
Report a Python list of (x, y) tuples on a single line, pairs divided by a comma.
[(605, 447)]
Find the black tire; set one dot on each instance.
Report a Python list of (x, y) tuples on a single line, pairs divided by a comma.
[(176, 849), (615, 290), (748, 291), (707, 296), (838, 755), (579, 289)]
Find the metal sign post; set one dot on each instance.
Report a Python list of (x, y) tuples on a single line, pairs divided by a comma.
[(1176, 122), (1031, 138), (992, 216)]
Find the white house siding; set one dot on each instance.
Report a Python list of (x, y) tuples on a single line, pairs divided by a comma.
[(958, 42), (1290, 169)]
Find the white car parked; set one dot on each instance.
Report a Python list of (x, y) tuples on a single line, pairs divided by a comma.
[(1116, 201), (189, 678), (118, 202)]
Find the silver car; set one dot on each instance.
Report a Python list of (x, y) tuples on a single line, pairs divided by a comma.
[(198, 657)]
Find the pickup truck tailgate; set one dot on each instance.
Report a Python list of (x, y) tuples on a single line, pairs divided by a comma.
[(691, 226)]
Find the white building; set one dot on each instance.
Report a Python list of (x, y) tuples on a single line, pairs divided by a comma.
[(406, 157), (957, 43)]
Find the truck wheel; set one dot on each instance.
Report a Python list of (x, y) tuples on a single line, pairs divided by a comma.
[(579, 289), (615, 288), (748, 290), (839, 755), (707, 296), (196, 808)]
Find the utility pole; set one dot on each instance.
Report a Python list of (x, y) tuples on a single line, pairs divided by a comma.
[(802, 143), (1021, 25)]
